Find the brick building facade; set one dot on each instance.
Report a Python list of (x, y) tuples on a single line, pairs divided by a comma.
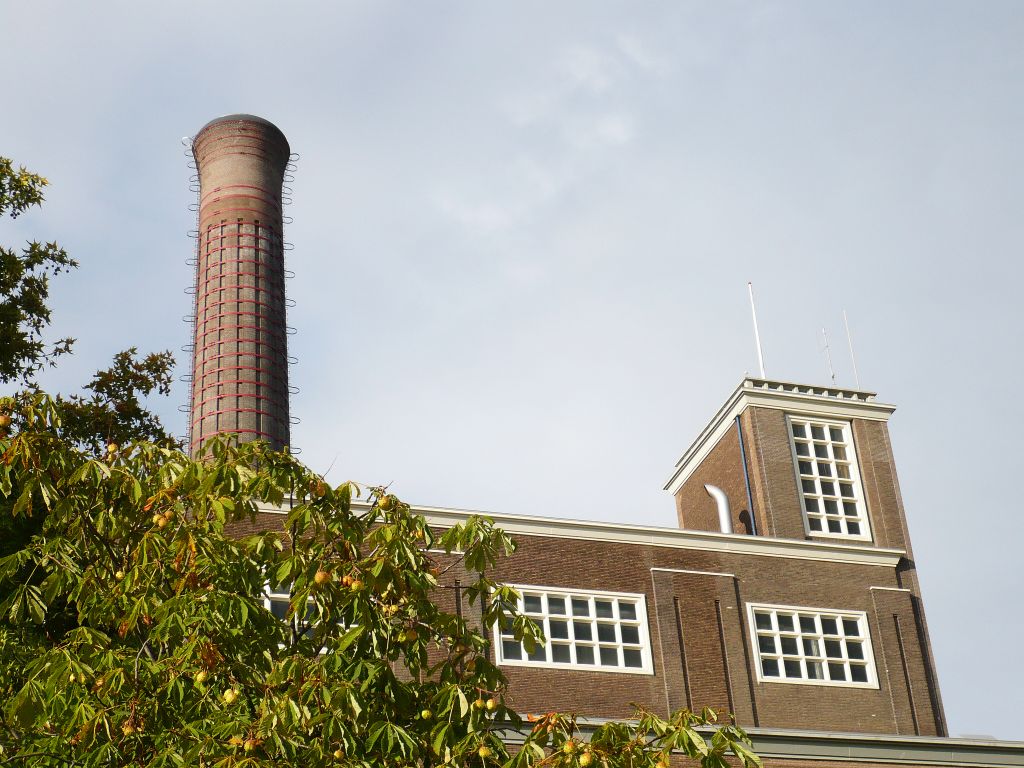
[(788, 596)]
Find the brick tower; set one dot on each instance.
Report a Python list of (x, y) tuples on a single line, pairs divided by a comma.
[(240, 355)]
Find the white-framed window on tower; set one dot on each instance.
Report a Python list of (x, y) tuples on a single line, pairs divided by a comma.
[(827, 478)]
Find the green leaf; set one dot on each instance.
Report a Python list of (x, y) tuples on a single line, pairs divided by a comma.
[(27, 705)]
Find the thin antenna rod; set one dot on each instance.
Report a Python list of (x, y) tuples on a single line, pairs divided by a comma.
[(828, 357), (853, 358), (757, 335)]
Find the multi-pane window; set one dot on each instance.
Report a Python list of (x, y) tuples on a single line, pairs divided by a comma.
[(278, 599), (584, 630), (828, 478), (812, 646)]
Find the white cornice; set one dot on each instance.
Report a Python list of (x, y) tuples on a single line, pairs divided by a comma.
[(882, 748), (831, 748), (673, 538), (828, 402)]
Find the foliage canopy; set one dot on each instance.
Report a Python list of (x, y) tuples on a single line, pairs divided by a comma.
[(25, 283), (133, 625), (135, 630)]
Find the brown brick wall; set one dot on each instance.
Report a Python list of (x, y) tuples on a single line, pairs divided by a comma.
[(723, 467), (774, 486), (773, 477), (698, 627), (878, 473), (715, 665)]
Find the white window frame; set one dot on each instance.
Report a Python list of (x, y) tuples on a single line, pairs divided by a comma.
[(270, 596), (858, 487), (818, 636), (644, 645)]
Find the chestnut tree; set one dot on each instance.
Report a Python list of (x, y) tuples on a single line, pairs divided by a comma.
[(134, 629), (112, 407)]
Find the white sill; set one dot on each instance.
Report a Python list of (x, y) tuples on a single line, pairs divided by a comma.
[(839, 536), (824, 683), (647, 670)]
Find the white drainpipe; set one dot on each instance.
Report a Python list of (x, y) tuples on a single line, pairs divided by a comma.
[(724, 515)]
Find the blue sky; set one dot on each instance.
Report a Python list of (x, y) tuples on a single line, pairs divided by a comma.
[(523, 234)]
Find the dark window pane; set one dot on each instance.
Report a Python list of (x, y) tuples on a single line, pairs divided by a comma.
[(831, 507), (836, 672), (818, 432), (798, 430), (806, 468), (811, 647), (559, 629), (846, 490), (828, 487), (824, 469), (609, 656), (786, 622), (821, 451), (858, 673), (580, 607), (582, 630), (556, 605), (833, 649), (807, 624), (311, 615), (851, 628), (803, 449), (808, 486), (814, 524), (762, 620), (632, 658), (829, 626), (539, 653), (606, 633), (584, 654), (793, 668), (511, 650), (814, 670), (531, 604), (811, 505), (789, 645), (834, 526), (836, 434), (279, 608), (769, 667), (630, 634), (627, 610), (853, 528), (854, 649), (560, 654), (850, 509), (604, 609), (766, 644)]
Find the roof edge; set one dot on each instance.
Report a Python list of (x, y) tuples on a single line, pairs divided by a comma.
[(675, 538), (770, 393)]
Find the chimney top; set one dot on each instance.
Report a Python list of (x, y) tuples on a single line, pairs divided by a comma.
[(244, 118)]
